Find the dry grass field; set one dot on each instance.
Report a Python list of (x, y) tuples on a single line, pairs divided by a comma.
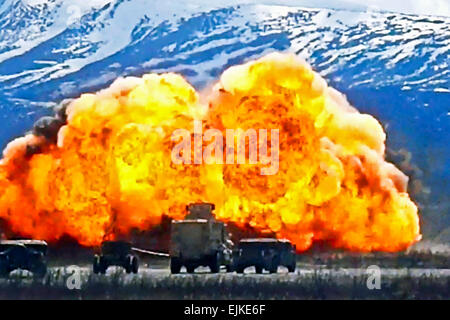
[(416, 274)]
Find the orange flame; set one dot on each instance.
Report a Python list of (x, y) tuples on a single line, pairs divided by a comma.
[(111, 169)]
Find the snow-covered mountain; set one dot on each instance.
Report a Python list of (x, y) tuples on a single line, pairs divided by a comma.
[(391, 65)]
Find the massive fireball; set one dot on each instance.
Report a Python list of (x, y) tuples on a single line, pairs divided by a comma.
[(103, 165)]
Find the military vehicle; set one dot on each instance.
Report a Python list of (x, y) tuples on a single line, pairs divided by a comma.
[(116, 253), (264, 253), (199, 240), (23, 254)]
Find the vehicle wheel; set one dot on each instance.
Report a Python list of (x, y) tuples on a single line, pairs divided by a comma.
[(274, 265), (96, 264), (214, 264), (40, 270), (240, 270), (258, 269), (4, 270), (129, 264), (175, 266), (273, 268), (135, 265), (103, 265), (291, 268), (190, 269)]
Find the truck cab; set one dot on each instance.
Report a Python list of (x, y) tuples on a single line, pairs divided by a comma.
[(264, 254), (115, 253), (199, 240), (23, 254)]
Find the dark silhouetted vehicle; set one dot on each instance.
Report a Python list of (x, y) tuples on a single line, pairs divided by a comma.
[(116, 253), (23, 254), (199, 240), (263, 254)]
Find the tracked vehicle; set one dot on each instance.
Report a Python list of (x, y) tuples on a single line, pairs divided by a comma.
[(264, 254), (199, 240), (116, 253), (27, 255)]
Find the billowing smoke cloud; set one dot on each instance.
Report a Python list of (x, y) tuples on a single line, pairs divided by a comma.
[(102, 165)]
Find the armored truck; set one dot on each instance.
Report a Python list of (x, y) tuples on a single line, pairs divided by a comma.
[(199, 240), (264, 253), (27, 255), (116, 253)]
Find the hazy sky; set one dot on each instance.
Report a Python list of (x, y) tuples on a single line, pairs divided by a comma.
[(429, 7)]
